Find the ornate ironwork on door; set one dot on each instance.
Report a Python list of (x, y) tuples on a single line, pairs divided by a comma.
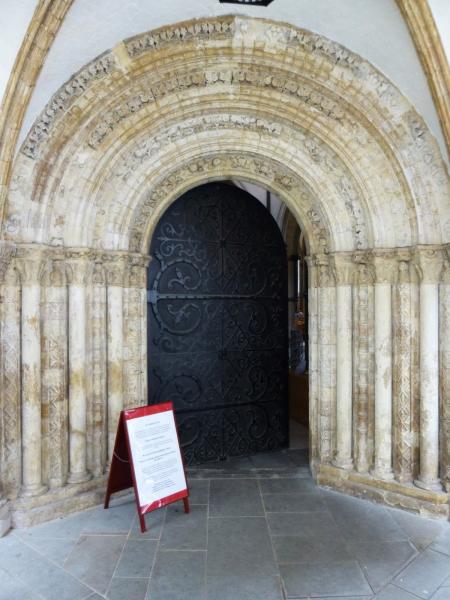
[(217, 323)]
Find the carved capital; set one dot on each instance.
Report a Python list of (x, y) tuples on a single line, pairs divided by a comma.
[(403, 273), (385, 267), (445, 275), (78, 270), (7, 252), (324, 271), (32, 269), (116, 268), (343, 268), (98, 274), (428, 261)]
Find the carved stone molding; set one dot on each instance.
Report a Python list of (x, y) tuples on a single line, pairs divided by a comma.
[(32, 270), (385, 267), (344, 268), (78, 269), (428, 261), (7, 252)]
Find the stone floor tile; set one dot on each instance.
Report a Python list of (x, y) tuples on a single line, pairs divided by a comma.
[(425, 574), (293, 503), (244, 587), (183, 531), (442, 541), (94, 559), (178, 575), (239, 545), (313, 525), (235, 498), (94, 596), (360, 521), (136, 559), (13, 589), (442, 593), (37, 573), (421, 531), (127, 589), (198, 491), (56, 550), (299, 457), (343, 578), (154, 522), (299, 485), (117, 519), (381, 561), (69, 527), (297, 549), (392, 592)]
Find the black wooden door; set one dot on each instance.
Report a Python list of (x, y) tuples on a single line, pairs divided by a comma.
[(217, 323)]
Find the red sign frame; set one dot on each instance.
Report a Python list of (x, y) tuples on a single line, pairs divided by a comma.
[(122, 473)]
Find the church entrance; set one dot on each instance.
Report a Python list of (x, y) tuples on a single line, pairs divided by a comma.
[(218, 323)]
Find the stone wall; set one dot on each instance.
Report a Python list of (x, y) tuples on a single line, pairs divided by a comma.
[(226, 98)]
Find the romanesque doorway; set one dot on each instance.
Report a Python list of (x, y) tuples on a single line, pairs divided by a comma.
[(218, 323)]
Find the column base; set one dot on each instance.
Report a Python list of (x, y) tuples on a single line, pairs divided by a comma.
[(79, 477), (343, 463), (29, 491), (434, 485), (5, 518), (386, 474)]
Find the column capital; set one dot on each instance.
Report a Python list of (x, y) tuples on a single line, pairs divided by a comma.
[(325, 272), (403, 273), (364, 272), (385, 266), (32, 268), (343, 268), (78, 268), (428, 261), (7, 252), (116, 267)]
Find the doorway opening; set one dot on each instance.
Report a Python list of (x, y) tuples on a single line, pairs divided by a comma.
[(223, 299)]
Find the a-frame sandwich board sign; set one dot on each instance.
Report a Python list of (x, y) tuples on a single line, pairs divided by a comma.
[(147, 457)]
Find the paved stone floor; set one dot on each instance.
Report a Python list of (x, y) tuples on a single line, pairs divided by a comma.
[(259, 530)]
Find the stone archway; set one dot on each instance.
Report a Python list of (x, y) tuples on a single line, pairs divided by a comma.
[(213, 99)]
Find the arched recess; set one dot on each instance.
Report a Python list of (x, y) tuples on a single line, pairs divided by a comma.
[(228, 98)]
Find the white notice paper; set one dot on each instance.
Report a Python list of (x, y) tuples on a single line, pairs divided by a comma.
[(157, 461)]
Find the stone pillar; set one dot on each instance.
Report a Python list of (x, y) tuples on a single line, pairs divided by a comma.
[(115, 269), (99, 372), (444, 360), (77, 273), (343, 268), (54, 375), (364, 279), (429, 265), (6, 254), (326, 350), (31, 269), (384, 272), (313, 359), (403, 365)]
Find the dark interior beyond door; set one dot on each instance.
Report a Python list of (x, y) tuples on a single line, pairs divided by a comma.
[(217, 323)]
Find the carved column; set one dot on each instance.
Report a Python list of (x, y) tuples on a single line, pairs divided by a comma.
[(31, 269), (364, 279), (9, 413), (313, 359), (77, 273), (384, 272), (98, 454), (54, 375), (326, 349), (444, 351), (402, 384), (429, 265), (115, 269), (343, 268)]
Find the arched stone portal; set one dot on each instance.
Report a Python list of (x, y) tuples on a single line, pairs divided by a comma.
[(257, 101)]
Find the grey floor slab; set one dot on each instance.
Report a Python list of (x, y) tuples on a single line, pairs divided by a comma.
[(117, 519), (312, 525), (244, 587), (127, 589), (184, 531), (299, 485), (298, 549), (343, 578), (420, 531), (94, 559), (154, 522), (272, 460), (359, 520), (13, 589), (381, 561), (442, 542), (178, 575), (239, 545), (425, 574), (198, 491), (235, 498), (56, 550), (37, 573), (392, 592), (441, 594), (293, 503), (136, 559), (63, 528)]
